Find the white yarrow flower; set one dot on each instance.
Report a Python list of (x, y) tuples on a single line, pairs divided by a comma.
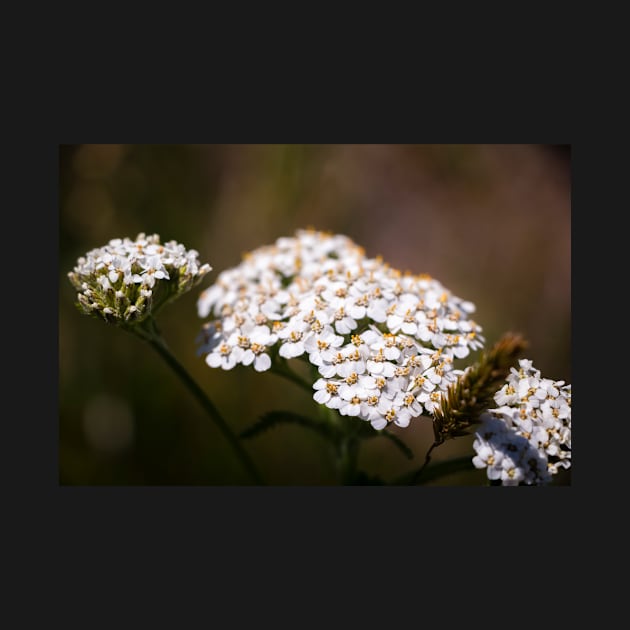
[(347, 314), (126, 281), (529, 432)]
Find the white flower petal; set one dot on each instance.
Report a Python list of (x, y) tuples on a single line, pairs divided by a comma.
[(213, 360), (321, 396), (378, 423), (262, 362)]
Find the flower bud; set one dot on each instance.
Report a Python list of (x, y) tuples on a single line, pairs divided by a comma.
[(127, 281)]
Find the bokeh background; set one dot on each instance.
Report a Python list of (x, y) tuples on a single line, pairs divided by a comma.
[(491, 222)]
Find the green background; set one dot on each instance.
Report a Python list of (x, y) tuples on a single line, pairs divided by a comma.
[(490, 222)]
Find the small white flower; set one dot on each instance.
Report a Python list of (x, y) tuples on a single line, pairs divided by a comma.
[(260, 339), (430, 400), (342, 322), (511, 473), (488, 457), (356, 389), (292, 337), (327, 393), (507, 395), (322, 341), (224, 356)]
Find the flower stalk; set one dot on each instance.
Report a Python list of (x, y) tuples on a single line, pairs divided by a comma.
[(150, 333), (125, 283)]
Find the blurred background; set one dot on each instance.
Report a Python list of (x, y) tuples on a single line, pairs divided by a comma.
[(491, 222)]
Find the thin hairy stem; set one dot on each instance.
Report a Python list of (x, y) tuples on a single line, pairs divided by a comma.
[(427, 459), (151, 334)]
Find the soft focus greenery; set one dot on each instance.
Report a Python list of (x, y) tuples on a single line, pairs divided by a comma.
[(491, 222)]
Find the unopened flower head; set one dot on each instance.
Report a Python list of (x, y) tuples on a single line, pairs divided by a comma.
[(527, 438), (383, 342), (126, 281)]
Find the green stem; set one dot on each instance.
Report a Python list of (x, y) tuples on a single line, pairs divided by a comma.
[(151, 334), (281, 367), (348, 451), (347, 446), (427, 459)]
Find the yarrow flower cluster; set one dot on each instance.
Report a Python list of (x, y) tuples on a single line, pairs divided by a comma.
[(383, 342), (125, 281), (527, 438)]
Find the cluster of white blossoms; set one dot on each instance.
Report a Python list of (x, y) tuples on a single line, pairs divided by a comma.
[(382, 342), (527, 438), (125, 281)]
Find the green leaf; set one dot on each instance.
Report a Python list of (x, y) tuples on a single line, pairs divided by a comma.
[(274, 418)]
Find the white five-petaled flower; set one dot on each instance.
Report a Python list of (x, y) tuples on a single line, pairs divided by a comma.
[(292, 337), (323, 340), (224, 356), (327, 393), (260, 340)]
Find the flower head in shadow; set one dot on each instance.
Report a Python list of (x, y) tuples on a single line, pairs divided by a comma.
[(527, 438)]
